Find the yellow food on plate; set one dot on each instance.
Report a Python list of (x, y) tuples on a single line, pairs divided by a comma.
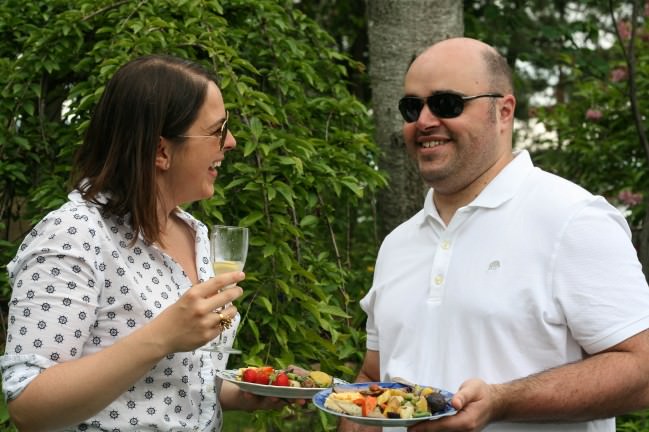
[(346, 396), (343, 403), (389, 403), (321, 379)]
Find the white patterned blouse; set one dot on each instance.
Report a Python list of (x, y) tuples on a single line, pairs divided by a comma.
[(78, 287)]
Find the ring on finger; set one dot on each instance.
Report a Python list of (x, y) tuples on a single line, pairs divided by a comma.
[(224, 322)]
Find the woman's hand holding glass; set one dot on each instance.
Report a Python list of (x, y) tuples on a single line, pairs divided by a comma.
[(229, 249), (191, 322)]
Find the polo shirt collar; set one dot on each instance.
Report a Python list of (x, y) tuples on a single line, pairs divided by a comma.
[(505, 185), (500, 190)]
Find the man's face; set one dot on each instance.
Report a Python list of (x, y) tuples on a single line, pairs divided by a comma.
[(452, 152)]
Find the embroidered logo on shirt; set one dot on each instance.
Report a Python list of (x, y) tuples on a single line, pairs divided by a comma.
[(495, 265)]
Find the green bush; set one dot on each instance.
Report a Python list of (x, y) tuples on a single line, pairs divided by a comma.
[(302, 178)]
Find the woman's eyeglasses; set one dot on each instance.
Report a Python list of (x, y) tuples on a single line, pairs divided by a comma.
[(223, 133), (442, 104)]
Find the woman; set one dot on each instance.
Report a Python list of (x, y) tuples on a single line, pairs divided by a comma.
[(113, 293)]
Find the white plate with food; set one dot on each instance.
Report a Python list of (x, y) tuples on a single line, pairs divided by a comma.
[(281, 383), (386, 404)]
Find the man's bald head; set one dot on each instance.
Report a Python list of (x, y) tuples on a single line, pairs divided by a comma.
[(462, 53)]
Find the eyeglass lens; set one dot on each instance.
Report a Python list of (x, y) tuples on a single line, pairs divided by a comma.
[(224, 131), (443, 105)]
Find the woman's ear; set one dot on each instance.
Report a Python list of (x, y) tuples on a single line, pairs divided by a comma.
[(163, 154)]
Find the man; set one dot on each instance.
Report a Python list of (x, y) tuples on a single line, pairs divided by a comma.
[(514, 288)]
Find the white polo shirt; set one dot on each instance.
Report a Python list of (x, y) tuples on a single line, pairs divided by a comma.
[(533, 271)]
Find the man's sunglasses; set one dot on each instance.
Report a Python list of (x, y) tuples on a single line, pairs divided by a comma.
[(222, 133), (443, 105)]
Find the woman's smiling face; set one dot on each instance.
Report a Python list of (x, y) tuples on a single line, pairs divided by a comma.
[(193, 165)]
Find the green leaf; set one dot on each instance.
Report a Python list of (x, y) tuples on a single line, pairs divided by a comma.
[(253, 327), (308, 220), (250, 219), (332, 310), (266, 303), (256, 129), (269, 249), (285, 191), (352, 185)]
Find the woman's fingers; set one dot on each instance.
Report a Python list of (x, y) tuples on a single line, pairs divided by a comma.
[(203, 312), (213, 294), (224, 297), (223, 318), (218, 283)]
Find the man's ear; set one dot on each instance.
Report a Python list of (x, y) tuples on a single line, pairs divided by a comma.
[(163, 154), (507, 108)]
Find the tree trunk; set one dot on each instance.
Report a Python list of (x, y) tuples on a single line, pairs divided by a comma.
[(398, 31)]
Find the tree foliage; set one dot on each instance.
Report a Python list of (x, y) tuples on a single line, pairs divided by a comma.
[(302, 179), (576, 56), (304, 176), (596, 138)]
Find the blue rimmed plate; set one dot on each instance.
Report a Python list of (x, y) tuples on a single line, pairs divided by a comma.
[(320, 397)]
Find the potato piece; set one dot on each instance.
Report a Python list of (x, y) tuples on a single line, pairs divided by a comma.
[(406, 411), (321, 379), (421, 405), (426, 391), (348, 396), (398, 392), (383, 397), (393, 406), (343, 406)]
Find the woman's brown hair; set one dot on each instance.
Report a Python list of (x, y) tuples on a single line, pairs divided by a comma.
[(147, 98)]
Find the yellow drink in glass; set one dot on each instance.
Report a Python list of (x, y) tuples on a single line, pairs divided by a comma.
[(221, 267)]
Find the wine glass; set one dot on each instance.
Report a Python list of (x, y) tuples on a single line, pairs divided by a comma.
[(228, 250)]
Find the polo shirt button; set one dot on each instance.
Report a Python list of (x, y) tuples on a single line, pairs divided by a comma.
[(439, 279), (446, 244)]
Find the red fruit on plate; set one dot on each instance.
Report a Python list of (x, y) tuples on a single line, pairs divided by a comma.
[(262, 378), (281, 380), (249, 375)]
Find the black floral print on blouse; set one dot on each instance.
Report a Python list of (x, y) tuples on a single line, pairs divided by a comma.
[(78, 287)]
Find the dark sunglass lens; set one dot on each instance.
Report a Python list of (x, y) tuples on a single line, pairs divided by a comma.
[(410, 108), (446, 105)]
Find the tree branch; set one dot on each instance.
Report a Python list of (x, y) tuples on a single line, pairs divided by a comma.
[(629, 56), (104, 9)]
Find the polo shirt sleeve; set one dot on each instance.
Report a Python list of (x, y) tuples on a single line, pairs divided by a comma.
[(598, 279), (372, 334), (367, 303)]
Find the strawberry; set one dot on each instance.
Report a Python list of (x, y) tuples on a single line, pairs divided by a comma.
[(262, 377), (249, 375), (281, 380), (266, 369)]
